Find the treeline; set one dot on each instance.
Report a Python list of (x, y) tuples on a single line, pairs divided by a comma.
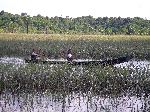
[(14, 23)]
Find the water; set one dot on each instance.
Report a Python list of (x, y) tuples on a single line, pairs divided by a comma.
[(73, 102), (70, 103), (12, 60), (135, 64)]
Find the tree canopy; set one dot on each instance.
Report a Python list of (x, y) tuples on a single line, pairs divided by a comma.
[(24, 23)]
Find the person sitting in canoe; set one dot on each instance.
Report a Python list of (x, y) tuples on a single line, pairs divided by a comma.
[(34, 55), (69, 55)]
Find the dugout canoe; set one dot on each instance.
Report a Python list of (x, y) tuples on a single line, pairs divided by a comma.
[(82, 62)]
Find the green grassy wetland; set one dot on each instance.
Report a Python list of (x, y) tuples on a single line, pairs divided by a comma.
[(83, 46), (63, 81)]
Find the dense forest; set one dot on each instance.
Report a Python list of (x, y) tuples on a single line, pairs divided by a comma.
[(24, 23)]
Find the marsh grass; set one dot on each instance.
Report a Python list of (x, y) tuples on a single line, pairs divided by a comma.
[(66, 79), (83, 46)]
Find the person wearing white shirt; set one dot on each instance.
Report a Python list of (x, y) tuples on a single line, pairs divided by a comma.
[(69, 55)]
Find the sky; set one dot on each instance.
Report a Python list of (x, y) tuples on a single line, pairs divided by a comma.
[(78, 8)]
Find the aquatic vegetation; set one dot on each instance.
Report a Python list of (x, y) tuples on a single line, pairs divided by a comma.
[(67, 78), (83, 46), (63, 81)]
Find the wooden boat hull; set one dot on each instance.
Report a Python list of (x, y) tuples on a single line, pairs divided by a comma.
[(86, 62)]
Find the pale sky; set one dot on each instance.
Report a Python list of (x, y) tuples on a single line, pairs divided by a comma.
[(78, 8)]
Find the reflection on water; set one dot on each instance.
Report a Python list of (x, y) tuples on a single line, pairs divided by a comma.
[(12, 60), (70, 103), (133, 64)]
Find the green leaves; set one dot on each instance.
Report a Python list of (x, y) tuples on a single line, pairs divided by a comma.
[(79, 25)]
